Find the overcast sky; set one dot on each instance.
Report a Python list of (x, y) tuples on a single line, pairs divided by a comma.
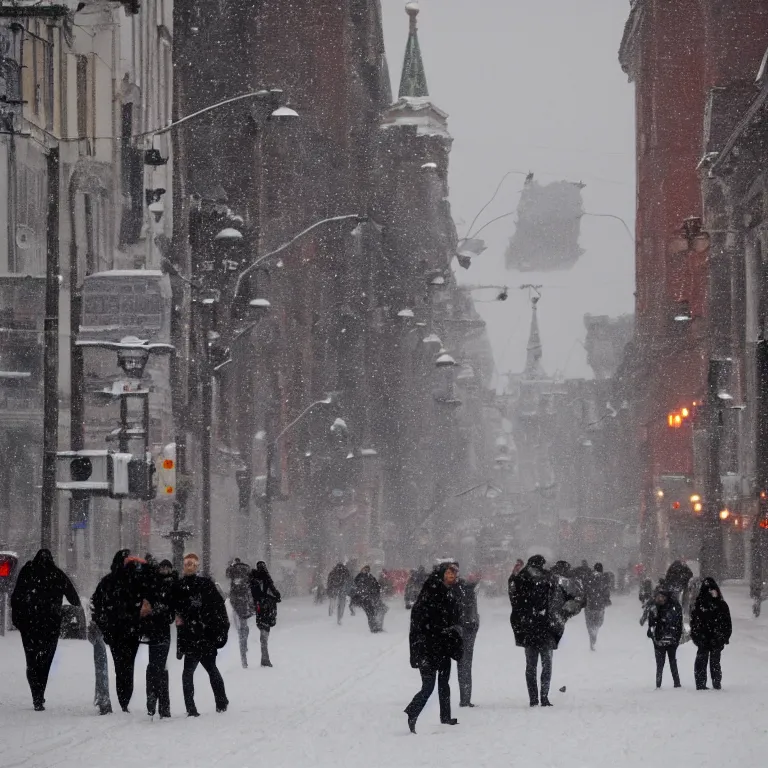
[(534, 85)]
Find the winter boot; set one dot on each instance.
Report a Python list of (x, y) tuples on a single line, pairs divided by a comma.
[(105, 709), (545, 702), (411, 723), (449, 721)]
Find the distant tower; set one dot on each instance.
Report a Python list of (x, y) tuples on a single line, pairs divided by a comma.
[(534, 371), (413, 81)]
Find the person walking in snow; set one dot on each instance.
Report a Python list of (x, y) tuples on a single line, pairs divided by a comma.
[(711, 629), (598, 597), (367, 594), (266, 596), (242, 603), (203, 628), (434, 639), (156, 632), (466, 590), (120, 602), (665, 628), (541, 603), (36, 613), (338, 587)]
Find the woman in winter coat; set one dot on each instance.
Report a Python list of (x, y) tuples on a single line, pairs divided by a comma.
[(665, 628), (711, 630), (36, 613), (265, 599), (435, 639)]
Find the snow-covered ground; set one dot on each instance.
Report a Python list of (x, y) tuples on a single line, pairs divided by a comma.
[(336, 694)]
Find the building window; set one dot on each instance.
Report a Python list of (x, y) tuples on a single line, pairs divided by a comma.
[(82, 96), (38, 78)]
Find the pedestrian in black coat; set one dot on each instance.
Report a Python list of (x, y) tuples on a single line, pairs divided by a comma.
[(120, 603), (156, 632), (677, 578), (597, 588), (711, 629), (466, 591), (36, 613), (338, 588), (537, 620), (203, 627), (266, 596), (242, 603), (435, 639), (665, 628), (367, 594)]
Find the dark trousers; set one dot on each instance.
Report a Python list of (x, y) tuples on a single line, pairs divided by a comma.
[(39, 652), (158, 694), (243, 630), (188, 680), (464, 666), (440, 672), (531, 664), (661, 657), (124, 658), (704, 657), (101, 672)]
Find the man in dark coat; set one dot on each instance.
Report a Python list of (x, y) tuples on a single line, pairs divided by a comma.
[(597, 588), (338, 587), (367, 594), (435, 639), (36, 613), (466, 591), (120, 602), (203, 627), (711, 629), (265, 596), (530, 593), (665, 628), (242, 603), (156, 631)]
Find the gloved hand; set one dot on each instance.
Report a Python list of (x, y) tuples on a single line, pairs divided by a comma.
[(649, 633)]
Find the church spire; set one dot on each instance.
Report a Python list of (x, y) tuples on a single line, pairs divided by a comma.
[(413, 82), (533, 366)]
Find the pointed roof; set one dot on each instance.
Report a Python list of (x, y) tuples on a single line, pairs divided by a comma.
[(413, 81), (533, 366)]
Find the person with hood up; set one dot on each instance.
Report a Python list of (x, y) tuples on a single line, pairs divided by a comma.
[(266, 596), (36, 613), (541, 603), (120, 603), (242, 603), (435, 639), (203, 628), (338, 587), (466, 591), (156, 632), (367, 594), (665, 628), (677, 578), (711, 629), (598, 597)]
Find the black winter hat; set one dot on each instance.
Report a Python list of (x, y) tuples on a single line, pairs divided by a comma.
[(165, 564), (537, 561)]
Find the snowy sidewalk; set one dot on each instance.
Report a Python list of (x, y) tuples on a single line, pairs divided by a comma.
[(335, 698)]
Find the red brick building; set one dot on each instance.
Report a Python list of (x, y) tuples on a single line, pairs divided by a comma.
[(676, 52)]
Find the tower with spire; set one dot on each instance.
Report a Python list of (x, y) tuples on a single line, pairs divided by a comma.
[(534, 370), (413, 106)]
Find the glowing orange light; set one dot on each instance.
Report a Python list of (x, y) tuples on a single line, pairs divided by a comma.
[(675, 505), (169, 489), (763, 495), (678, 421), (167, 463), (685, 413), (697, 507), (724, 514), (671, 419)]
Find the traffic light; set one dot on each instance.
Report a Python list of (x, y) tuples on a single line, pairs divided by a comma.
[(8, 563), (166, 472), (96, 473)]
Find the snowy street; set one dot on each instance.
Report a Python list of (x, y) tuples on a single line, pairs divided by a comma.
[(336, 694)]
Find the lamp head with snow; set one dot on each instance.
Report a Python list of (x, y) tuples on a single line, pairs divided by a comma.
[(259, 306), (229, 235), (406, 314), (445, 361), (284, 113)]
